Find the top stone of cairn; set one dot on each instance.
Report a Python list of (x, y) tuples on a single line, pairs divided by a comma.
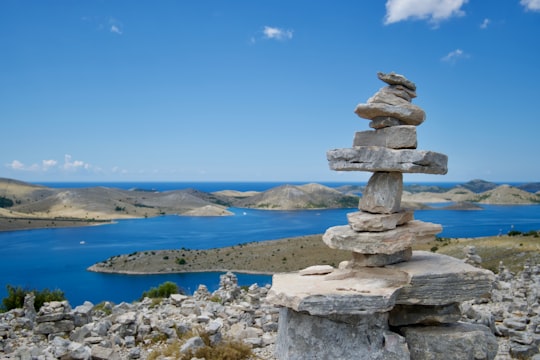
[(396, 79), (391, 105)]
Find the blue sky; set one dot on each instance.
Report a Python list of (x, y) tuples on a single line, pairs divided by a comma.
[(259, 90)]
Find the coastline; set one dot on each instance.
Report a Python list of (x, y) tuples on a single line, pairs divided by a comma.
[(296, 253), (33, 223)]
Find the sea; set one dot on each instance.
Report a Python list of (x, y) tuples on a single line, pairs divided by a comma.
[(58, 258)]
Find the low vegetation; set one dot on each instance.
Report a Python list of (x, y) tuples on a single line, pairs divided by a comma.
[(16, 295), (162, 291)]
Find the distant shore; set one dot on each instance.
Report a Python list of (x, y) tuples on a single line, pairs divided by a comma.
[(31, 223), (293, 254)]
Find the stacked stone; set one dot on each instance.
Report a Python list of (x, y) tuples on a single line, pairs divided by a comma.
[(388, 302), (382, 233)]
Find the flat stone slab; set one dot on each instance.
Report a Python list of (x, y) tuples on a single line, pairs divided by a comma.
[(383, 242), (343, 292), (378, 158), (426, 279), (365, 221), (437, 279), (408, 113)]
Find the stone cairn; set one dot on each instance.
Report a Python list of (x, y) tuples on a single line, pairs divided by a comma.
[(387, 302)]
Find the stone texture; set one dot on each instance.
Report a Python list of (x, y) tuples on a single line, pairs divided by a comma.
[(383, 193), (407, 113), (402, 315), (365, 221), (392, 78), (346, 337), (383, 242), (437, 279), (395, 137), (376, 158), (390, 96), (341, 292), (458, 341), (316, 270), (381, 122), (362, 260)]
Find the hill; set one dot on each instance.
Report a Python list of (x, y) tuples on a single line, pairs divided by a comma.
[(24, 205)]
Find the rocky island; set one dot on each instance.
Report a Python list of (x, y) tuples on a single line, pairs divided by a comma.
[(27, 206)]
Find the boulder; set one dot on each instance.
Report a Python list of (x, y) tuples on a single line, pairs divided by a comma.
[(458, 341)]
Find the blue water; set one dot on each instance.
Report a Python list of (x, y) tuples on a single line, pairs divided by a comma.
[(55, 258)]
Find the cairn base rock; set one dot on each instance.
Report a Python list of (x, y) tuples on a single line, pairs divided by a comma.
[(345, 337)]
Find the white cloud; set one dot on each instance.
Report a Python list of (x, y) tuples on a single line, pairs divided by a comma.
[(485, 24), (454, 56), (16, 165), (74, 164), (432, 10), (115, 29), (277, 33), (47, 164), (533, 5)]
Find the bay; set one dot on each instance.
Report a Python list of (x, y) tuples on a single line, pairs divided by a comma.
[(58, 258)]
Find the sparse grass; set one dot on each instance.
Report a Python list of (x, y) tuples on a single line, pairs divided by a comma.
[(513, 251), (225, 350)]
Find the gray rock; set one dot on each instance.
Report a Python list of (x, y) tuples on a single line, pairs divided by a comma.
[(457, 341), (376, 158), (383, 242), (192, 344), (389, 96), (362, 260), (395, 137), (341, 292), (407, 113), (437, 279), (365, 221), (383, 193), (392, 78), (381, 122), (103, 353), (50, 327), (301, 336)]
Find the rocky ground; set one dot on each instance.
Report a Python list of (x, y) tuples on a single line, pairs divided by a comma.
[(232, 320)]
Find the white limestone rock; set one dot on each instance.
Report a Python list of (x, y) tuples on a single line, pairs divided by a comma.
[(377, 158), (316, 270)]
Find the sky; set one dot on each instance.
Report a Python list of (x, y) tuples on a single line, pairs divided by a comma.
[(214, 90)]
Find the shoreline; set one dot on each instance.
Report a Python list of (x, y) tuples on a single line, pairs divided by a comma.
[(269, 257), (34, 223)]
